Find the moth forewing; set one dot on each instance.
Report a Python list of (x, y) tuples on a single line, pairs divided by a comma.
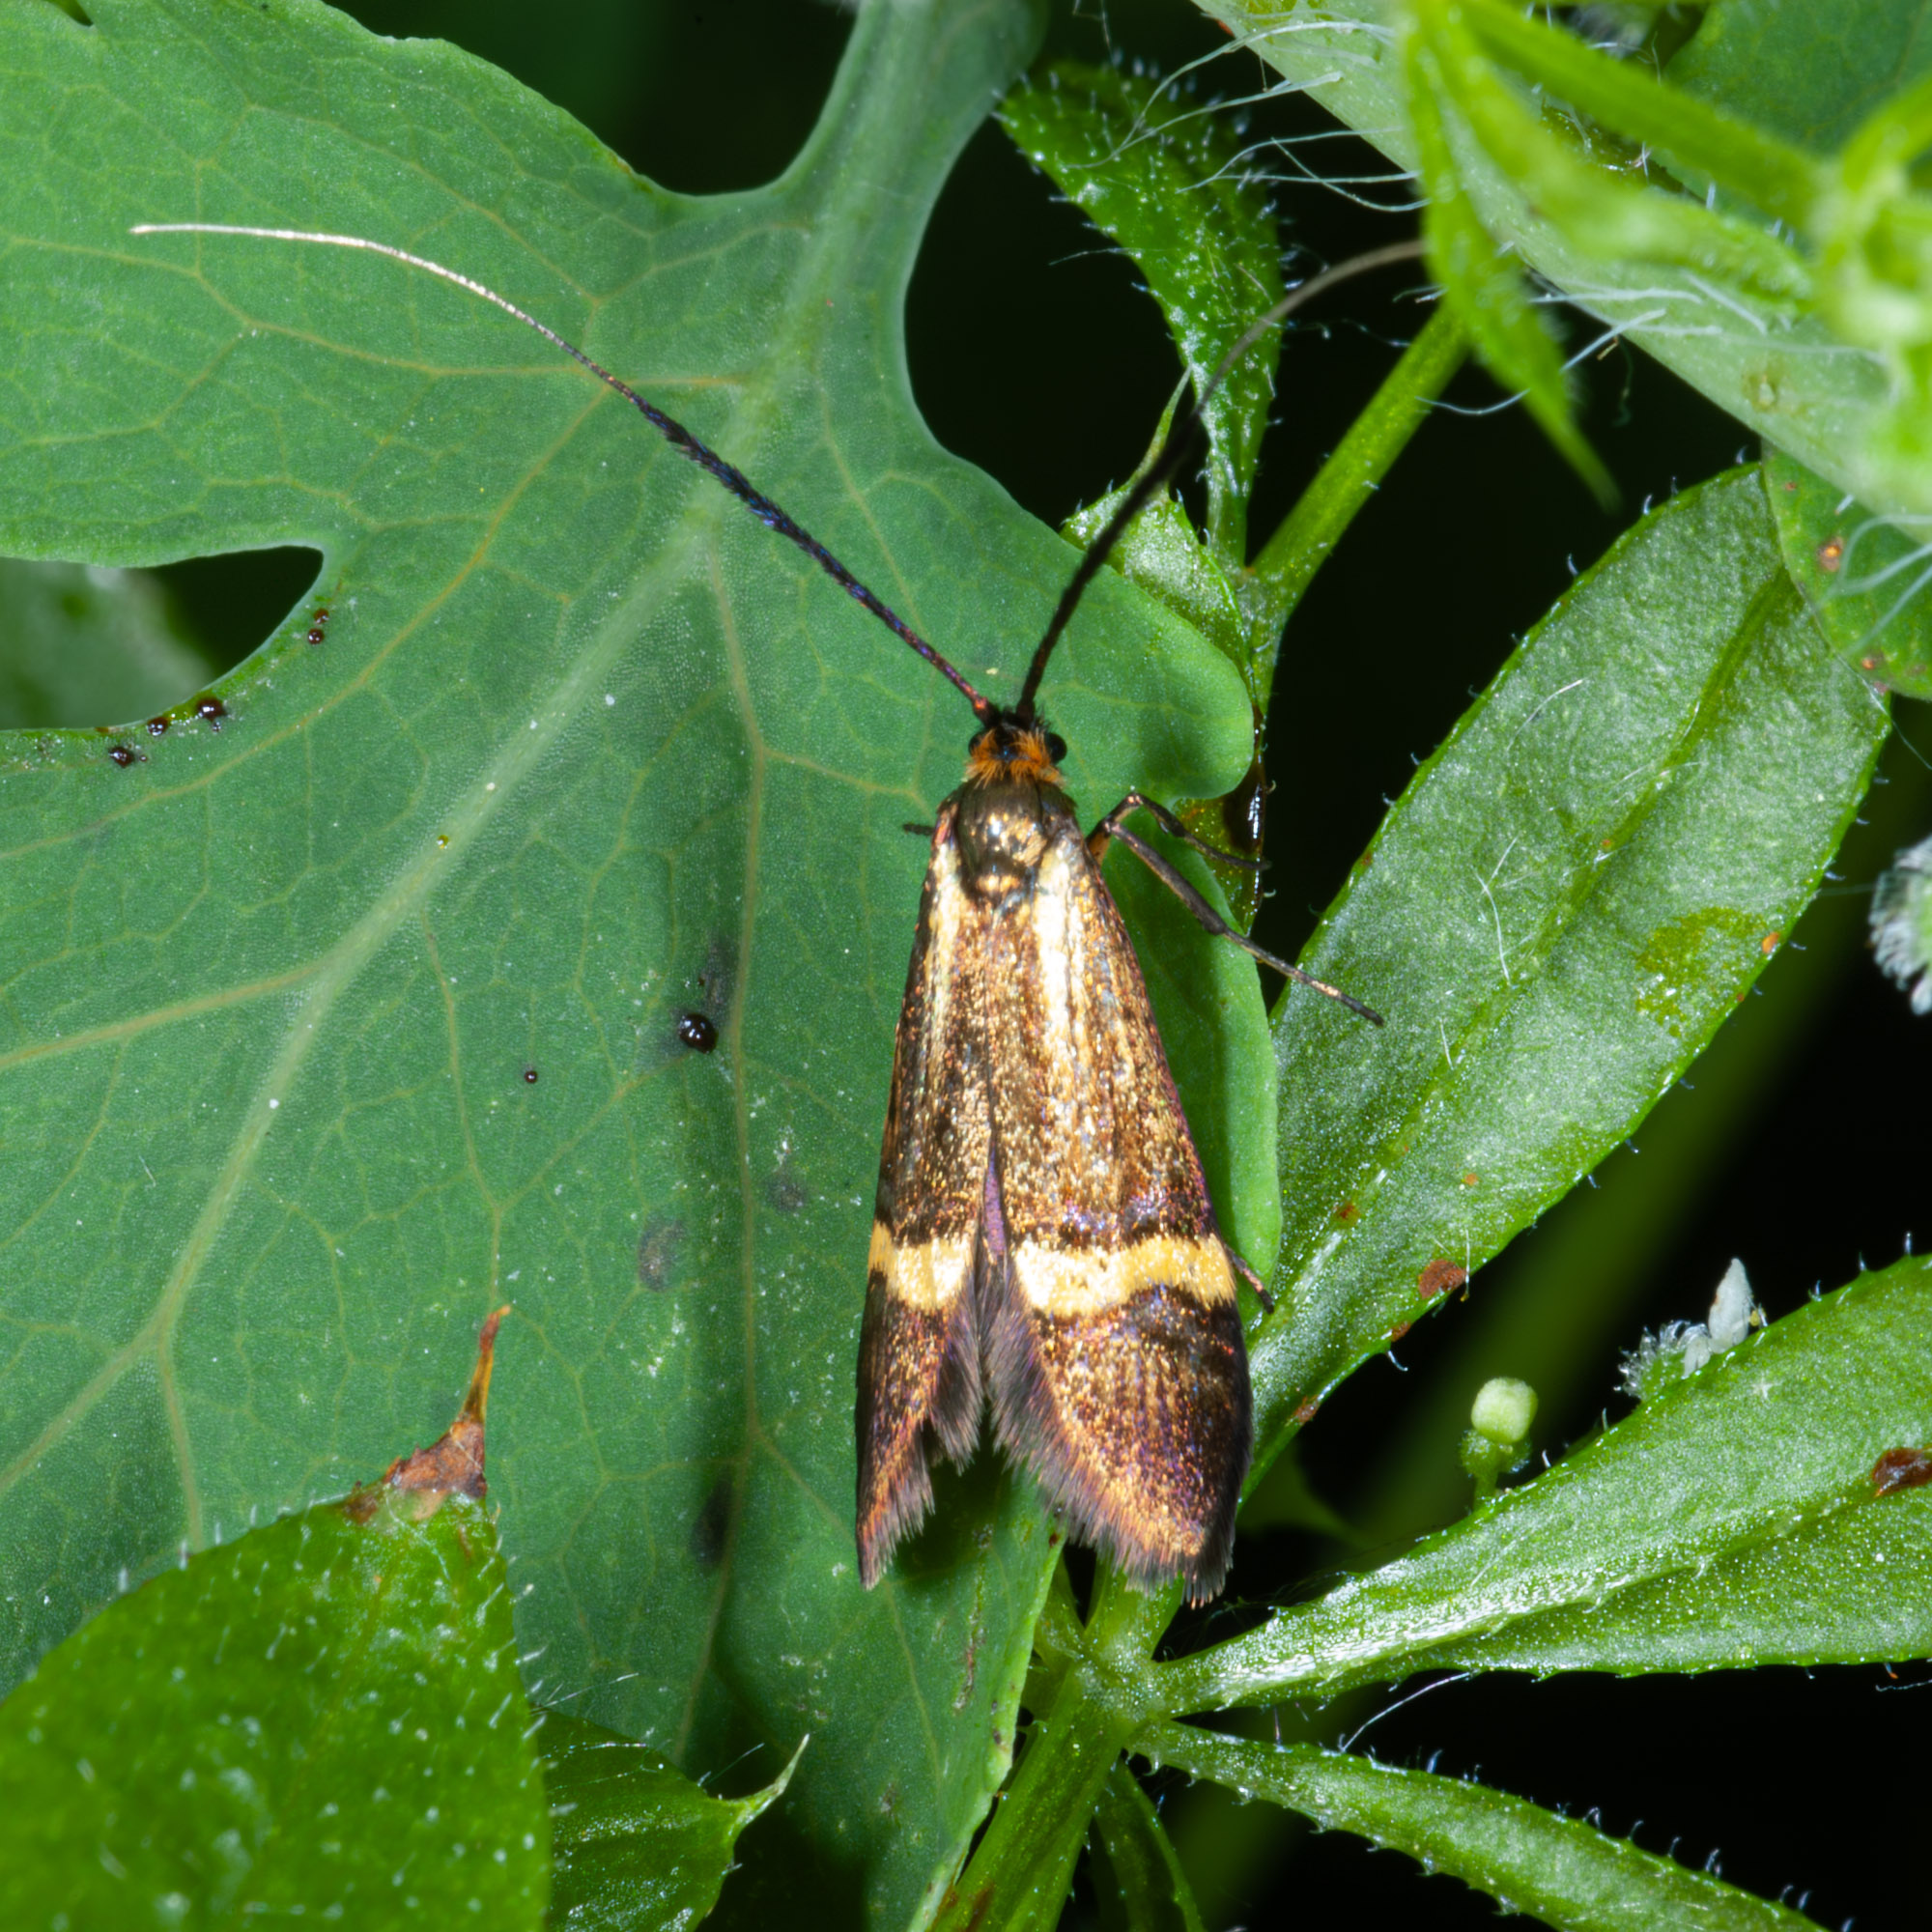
[(919, 1346)]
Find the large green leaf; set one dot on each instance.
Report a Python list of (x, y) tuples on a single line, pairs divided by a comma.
[(328, 1029), (1561, 909), (322, 1718), (1734, 1520)]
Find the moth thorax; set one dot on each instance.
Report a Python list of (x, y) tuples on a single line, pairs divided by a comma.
[(1003, 834)]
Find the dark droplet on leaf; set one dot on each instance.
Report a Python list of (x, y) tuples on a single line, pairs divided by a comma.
[(157, 725), (529, 1076), (211, 711), (696, 1031), (123, 756)]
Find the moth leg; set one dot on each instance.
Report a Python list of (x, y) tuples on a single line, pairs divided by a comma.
[(1205, 913), (919, 831), (1253, 1280), (1137, 801)]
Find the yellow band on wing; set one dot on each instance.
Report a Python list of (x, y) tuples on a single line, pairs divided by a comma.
[(927, 1275), (1072, 1282)]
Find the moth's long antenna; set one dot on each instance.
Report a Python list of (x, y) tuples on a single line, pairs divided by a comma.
[(668, 427), (1162, 471)]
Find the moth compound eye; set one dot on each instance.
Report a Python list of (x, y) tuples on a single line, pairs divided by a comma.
[(1056, 747)]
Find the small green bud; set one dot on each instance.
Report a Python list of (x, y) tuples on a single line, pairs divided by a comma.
[(1499, 1441), (1503, 1410)]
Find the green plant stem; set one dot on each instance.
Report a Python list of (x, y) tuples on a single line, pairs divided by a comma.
[(1017, 1878), (1149, 1883), (1305, 537), (1124, 1624)]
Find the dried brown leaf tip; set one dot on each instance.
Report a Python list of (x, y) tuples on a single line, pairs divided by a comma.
[(453, 1463), (1901, 1470)]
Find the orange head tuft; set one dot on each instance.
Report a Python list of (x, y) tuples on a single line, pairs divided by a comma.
[(1008, 749)]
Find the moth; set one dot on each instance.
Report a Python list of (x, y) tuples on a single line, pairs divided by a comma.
[(1043, 1246), (1043, 1242)]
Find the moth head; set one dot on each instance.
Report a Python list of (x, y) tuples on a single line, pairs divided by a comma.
[(1013, 748)]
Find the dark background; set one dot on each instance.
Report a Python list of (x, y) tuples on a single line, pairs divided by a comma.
[(1795, 1145)]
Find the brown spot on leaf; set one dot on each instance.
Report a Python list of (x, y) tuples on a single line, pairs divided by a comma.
[(1769, 943), (1400, 1330), (1470, 1179), (1830, 555), (1307, 1413), (1901, 1470), (1346, 1213), (453, 1463), (1440, 1276)]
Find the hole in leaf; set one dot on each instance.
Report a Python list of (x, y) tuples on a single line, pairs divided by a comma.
[(694, 109)]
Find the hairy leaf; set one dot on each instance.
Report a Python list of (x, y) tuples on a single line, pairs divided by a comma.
[(1601, 857), (324, 1717), (1564, 1872), (1733, 1519), (1865, 578), (1166, 179), (1793, 381)]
